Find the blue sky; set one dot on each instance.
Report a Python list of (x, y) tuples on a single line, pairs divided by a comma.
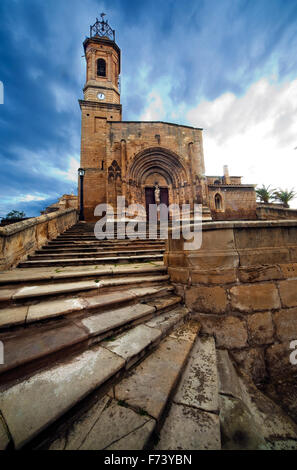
[(229, 66)]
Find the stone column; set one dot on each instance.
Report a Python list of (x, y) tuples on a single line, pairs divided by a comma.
[(123, 166), (192, 172)]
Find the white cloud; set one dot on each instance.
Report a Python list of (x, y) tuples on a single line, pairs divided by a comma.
[(71, 173), (155, 108), (67, 175), (64, 99), (30, 197), (255, 134), (159, 104)]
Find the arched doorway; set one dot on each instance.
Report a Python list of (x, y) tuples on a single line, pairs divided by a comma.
[(152, 183), (162, 166)]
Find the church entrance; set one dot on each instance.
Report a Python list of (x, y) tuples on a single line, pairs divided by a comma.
[(164, 197), (150, 197)]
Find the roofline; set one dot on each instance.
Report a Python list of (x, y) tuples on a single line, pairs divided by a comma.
[(222, 176), (157, 122), (217, 186)]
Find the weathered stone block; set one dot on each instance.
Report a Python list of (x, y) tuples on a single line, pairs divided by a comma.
[(48, 394), (286, 324), (260, 328), (278, 361), (212, 260), (237, 421), (198, 387), (260, 273), (251, 257), (248, 298), (179, 275), (229, 383), (206, 299), (220, 239), (288, 270), (259, 235), (176, 259), (293, 253), (148, 387), (230, 332), (288, 292), (218, 276), (187, 428), (252, 361)]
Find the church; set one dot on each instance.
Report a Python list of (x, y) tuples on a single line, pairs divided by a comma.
[(144, 161)]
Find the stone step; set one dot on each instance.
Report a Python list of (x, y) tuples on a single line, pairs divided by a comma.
[(87, 248), (31, 292), (249, 419), (49, 309), (26, 275), (97, 249), (125, 242), (90, 260), (93, 254), (49, 393), (59, 336), (111, 240), (193, 422), (128, 414), (110, 235), (114, 236)]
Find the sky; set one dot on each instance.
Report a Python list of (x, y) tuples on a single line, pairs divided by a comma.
[(229, 66)]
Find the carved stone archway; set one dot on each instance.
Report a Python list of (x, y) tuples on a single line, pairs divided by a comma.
[(167, 164)]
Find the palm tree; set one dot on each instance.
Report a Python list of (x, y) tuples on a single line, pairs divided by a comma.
[(284, 196), (265, 194)]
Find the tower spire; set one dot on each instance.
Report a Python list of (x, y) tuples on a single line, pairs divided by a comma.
[(102, 29)]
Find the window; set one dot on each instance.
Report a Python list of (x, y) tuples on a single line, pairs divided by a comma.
[(218, 202), (101, 68)]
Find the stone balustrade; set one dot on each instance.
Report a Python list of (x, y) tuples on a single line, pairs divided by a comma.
[(272, 212), (19, 240), (242, 285)]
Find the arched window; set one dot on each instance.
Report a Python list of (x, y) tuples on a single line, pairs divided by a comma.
[(217, 182), (101, 68), (218, 202)]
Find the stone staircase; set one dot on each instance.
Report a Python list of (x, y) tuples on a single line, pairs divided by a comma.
[(76, 315), (100, 353)]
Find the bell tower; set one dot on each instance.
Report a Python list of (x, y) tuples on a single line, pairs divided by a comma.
[(101, 104), (103, 58)]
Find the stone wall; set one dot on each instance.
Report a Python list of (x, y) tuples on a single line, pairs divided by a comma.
[(168, 150), (19, 240), (268, 212), (238, 202), (119, 157), (242, 285)]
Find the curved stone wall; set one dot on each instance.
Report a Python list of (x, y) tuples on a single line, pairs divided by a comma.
[(242, 285)]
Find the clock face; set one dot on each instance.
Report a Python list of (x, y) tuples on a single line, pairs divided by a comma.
[(101, 96)]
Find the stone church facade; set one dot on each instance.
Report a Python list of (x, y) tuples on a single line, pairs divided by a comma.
[(132, 159)]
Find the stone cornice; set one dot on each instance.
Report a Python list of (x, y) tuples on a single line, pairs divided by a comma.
[(95, 104)]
